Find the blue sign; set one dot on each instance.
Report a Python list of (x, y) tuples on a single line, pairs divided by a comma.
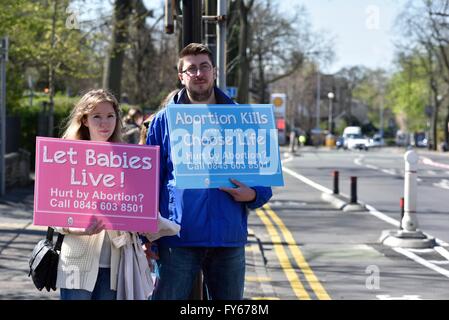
[(231, 91), (210, 144)]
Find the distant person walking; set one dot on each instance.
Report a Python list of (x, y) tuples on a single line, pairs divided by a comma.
[(133, 122)]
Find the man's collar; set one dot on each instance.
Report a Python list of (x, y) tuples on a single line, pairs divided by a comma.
[(183, 98)]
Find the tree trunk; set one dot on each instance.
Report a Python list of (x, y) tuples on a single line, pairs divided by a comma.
[(51, 72), (114, 61)]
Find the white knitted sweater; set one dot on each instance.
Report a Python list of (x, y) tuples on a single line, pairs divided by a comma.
[(79, 261)]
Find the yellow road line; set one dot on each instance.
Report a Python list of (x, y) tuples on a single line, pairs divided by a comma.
[(299, 257), (290, 273), (257, 279)]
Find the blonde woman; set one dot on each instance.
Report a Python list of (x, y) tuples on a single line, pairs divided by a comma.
[(88, 262)]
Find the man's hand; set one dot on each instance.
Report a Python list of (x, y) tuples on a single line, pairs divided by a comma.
[(242, 193)]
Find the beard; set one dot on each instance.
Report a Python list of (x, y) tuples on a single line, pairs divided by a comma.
[(201, 95)]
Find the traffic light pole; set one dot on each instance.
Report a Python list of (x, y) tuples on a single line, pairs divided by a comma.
[(3, 60), (221, 44), (191, 21)]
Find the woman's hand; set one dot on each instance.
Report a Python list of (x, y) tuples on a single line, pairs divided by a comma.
[(96, 226)]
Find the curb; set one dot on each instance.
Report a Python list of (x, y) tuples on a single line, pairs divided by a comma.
[(341, 203)]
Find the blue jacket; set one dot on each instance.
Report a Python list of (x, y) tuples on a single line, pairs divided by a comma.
[(208, 217)]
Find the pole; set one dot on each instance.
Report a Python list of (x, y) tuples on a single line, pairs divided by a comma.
[(221, 44), (3, 60), (353, 190), (401, 204), (409, 221), (381, 115), (191, 22), (211, 29), (318, 95), (330, 115), (336, 176)]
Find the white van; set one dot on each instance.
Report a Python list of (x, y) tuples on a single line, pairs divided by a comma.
[(353, 139), (351, 131)]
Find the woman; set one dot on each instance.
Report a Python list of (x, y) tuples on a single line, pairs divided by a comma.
[(88, 262)]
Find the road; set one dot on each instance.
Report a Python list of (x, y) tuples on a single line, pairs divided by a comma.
[(314, 251), (301, 247)]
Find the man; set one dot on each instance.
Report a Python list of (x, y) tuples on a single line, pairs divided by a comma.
[(213, 221)]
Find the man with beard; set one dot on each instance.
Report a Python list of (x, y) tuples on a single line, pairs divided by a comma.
[(213, 221)]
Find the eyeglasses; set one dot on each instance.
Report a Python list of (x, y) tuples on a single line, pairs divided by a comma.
[(193, 70)]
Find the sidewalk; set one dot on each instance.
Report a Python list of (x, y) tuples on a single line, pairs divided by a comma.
[(18, 237)]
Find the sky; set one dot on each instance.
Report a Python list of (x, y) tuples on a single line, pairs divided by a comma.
[(362, 29)]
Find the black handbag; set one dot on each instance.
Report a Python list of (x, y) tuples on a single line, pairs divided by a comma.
[(44, 261)]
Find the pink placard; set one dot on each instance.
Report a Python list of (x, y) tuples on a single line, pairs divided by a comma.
[(77, 180)]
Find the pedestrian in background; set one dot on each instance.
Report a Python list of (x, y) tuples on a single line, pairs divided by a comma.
[(213, 221), (146, 123), (133, 122)]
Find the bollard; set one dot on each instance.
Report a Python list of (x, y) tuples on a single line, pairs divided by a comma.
[(353, 190), (336, 174), (409, 221), (408, 235), (401, 204)]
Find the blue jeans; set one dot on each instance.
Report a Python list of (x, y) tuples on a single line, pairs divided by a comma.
[(102, 289), (223, 271)]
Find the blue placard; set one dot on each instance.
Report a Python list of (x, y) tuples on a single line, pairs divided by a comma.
[(210, 144)]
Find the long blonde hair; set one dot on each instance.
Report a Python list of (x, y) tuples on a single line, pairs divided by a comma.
[(76, 130)]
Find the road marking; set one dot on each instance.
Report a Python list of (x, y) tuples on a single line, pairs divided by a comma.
[(430, 162), (404, 297), (299, 257), (265, 298), (422, 261), (290, 273), (382, 216), (389, 171), (257, 279), (306, 180), (442, 251), (373, 211), (444, 184)]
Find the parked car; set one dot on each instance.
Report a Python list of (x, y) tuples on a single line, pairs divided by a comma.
[(356, 142), (340, 142), (376, 141)]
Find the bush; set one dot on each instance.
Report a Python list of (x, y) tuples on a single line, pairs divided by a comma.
[(29, 118)]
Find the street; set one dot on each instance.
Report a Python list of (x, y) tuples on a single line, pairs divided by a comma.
[(299, 246), (315, 251)]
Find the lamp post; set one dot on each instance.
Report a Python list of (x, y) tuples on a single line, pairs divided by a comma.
[(331, 96)]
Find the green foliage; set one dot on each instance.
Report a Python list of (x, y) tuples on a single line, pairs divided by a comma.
[(408, 94), (29, 117), (28, 24)]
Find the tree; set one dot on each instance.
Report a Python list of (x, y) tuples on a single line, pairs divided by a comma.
[(280, 44), (427, 35), (114, 60), (40, 40)]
